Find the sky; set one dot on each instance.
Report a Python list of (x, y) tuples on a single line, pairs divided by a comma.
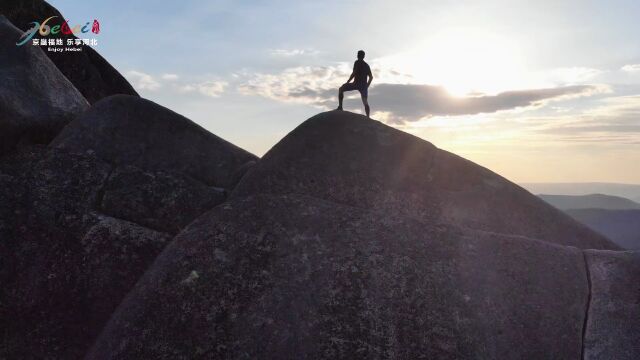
[(544, 91)]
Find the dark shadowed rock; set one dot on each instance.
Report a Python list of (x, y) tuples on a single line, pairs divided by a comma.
[(42, 296), (36, 100), (116, 253), (127, 130), (613, 326), (159, 200), (349, 159), (63, 266), (57, 188), (60, 290), (87, 70), (294, 277)]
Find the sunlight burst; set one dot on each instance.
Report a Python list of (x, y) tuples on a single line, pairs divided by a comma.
[(465, 61)]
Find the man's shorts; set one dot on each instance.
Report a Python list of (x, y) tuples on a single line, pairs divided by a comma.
[(363, 88)]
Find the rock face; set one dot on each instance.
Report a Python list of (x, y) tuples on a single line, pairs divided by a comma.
[(296, 277), (82, 221), (87, 70), (129, 130), (613, 325), (36, 100), (349, 159)]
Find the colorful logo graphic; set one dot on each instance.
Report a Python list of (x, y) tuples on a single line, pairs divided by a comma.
[(45, 30)]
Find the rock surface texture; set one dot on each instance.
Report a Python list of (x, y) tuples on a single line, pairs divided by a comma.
[(301, 278)]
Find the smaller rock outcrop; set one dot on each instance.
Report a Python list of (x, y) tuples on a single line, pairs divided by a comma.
[(36, 100), (128, 130), (89, 72)]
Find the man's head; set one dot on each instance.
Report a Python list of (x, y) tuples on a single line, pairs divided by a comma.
[(361, 54)]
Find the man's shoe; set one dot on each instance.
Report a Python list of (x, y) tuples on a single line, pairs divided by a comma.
[(339, 108)]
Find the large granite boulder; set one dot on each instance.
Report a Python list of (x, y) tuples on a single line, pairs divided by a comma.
[(349, 159), (613, 323), (87, 70), (295, 277), (128, 130), (36, 100), (64, 264)]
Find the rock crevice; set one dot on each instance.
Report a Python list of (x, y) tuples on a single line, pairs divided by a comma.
[(588, 304)]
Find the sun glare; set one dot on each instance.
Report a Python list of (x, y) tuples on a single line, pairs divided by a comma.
[(465, 61)]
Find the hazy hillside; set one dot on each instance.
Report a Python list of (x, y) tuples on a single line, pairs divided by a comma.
[(617, 218), (629, 191), (621, 226), (592, 201)]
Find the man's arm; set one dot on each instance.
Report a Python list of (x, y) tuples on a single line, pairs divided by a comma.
[(370, 76), (353, 74)]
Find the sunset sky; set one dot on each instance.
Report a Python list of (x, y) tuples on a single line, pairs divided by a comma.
[(544, 91)]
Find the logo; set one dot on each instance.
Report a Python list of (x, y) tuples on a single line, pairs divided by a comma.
[(45, 30)]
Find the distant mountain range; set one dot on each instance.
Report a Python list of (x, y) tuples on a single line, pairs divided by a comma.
[(592, 201), (629, 191), (621, 226), (616, 217)]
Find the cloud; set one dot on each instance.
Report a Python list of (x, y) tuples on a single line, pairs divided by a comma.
[(573, 75), (212, 88), (292, 52), (304, 84), (612, 121), (170, 77), (142, 81), (400, 102), (632, 68), (408, 102), (173, 83)]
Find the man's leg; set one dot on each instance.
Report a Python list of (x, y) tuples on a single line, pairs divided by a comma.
[(365, 101), (340, 97)]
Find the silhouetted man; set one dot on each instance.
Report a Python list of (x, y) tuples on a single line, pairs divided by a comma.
[(362, 78)]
